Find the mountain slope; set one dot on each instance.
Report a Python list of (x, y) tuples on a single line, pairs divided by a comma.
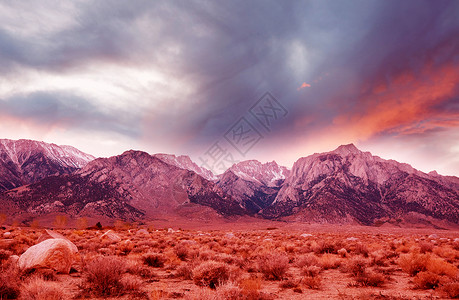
[(347, 184), (26, 161), (184, 162), (253, 184), (130, 186)]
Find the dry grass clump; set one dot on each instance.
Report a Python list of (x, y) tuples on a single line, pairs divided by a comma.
[(9, 282), (426, 280), (413, 263), (327, 246), (274, 265), (182, 251), (307, 260), (370, 278), (330, 261), (357, 267), (39, 289), (103, 275), (155, 260), (211, 274), (450, 289), (425, 247), (184, 271), (312, 282)]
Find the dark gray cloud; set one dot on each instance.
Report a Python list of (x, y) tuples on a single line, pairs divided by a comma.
[(232, 53), (65, 110)]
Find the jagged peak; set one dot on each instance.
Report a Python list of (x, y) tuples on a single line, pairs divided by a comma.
[(347, 149)]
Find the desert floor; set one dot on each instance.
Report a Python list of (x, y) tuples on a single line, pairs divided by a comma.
[(157, 261)]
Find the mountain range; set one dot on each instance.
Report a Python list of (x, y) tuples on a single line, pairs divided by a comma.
[(345, 185)]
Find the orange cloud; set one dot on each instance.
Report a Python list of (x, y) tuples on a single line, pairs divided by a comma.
[(404, 106), (304, 85)]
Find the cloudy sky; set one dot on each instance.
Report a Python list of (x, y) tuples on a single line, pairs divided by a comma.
[(178, 76)]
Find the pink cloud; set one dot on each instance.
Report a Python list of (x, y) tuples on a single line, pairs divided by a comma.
[(304, 85)]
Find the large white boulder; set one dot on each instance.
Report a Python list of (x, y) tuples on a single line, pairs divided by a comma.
[(56, 254)]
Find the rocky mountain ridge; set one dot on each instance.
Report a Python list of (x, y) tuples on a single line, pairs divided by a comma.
[(26, 161), (345, 185)]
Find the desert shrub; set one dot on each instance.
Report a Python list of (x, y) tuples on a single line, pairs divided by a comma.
[(380, 258), (426, 280), (131, 283), (155, 260), (9, 283), (307, 260), (139, 269), (273, 266), (413, 263), (288, 284), (184, 271), (361, 249), (124, 248), (229, 291), (103, 275), (181, 250), (356, 266), (311, 271), (327, 246), (425, 247), (329, 261), (211, 274), (370, 278), (441, 267), (39, 289), (310, 282), (5, 254), (450, 289)]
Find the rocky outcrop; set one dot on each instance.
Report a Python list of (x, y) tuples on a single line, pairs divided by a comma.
[(347, 185), (25, 161), (253, 184), (131, 186)]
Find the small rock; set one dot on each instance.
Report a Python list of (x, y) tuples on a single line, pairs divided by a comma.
[(142, 232), (230, 235), (7, 234), (433, 236), (170, 230), (110, 235), (352, 239), (306, 235)]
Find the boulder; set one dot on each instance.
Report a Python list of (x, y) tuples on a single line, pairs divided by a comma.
[(142, 232), (49, 234), (110, 235), (56, 254)]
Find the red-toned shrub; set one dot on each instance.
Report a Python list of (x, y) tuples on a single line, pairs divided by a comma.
[(103, 275), (274, 266), (211, 274), (40, 289)]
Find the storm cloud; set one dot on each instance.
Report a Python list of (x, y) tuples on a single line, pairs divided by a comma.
[(174, 76)]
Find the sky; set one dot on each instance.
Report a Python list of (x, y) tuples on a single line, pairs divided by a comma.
[(226, 81)]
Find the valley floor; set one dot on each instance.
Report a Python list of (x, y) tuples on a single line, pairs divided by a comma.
[(255, 262)]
